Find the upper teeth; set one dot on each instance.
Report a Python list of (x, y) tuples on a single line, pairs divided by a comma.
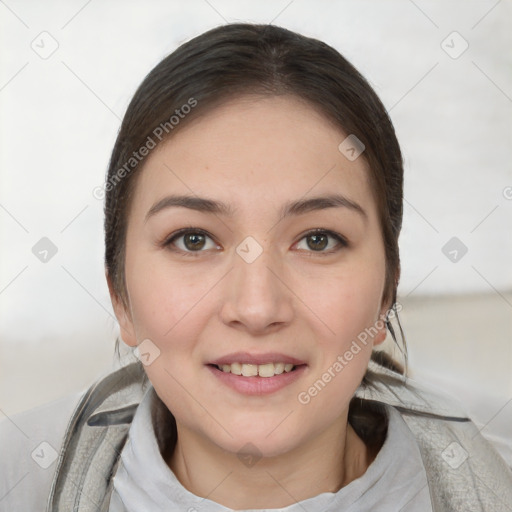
[(251, 370)]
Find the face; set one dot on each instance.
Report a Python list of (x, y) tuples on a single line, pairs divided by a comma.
[(261, 273)]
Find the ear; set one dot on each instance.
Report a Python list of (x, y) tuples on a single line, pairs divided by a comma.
[(123, 316), (381, 326)]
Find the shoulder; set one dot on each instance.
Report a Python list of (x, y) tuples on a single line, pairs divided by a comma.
[(30, 442), (463, 468), (35, 445), (405, 394)]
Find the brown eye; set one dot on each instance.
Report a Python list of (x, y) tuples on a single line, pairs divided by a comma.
[(190, 241), (319, 240), (194, 241)]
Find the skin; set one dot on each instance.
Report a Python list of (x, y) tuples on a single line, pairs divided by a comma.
[(255, 154)]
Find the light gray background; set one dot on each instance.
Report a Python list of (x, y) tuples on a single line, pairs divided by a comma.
[(452, 113)]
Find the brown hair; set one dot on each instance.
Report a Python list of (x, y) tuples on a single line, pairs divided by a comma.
[(239, 59)]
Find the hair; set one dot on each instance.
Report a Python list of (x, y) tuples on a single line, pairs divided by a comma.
[(241, 59)]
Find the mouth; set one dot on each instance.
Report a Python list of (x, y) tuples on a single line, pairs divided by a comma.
[(257, 375), (265, 370), (250, 373)]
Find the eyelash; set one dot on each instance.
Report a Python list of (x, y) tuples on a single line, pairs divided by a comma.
[(198, 231)]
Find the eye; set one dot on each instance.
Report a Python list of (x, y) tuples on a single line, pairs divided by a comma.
[(318, 240), (195, 240), (190, 241)]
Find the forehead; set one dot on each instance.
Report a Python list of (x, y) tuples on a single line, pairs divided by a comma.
[(254, 152)]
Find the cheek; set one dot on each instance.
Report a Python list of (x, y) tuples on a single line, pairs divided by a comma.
[(350, 309), (349, 302), (163, 297), (166, 307)]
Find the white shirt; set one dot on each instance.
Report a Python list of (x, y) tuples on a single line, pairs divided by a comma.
[(395, 481)]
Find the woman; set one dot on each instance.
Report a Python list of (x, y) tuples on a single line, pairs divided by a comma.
[(252, 213)]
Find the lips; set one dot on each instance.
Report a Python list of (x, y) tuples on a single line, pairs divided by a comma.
[(257, 374), (255, 383)]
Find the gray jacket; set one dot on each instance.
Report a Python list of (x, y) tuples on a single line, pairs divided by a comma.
[(464, 471)]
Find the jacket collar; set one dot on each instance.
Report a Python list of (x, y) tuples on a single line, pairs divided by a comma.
[(115, 398), (407, 395)]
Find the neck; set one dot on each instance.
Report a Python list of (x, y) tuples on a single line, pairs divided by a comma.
[(324, 464)]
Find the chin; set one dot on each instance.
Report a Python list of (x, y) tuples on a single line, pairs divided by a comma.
[(260, 442), (259, 447)]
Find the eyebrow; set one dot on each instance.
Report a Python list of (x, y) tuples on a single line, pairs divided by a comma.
[(299, 207)]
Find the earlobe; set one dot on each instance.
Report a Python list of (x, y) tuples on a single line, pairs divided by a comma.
[(380, 336), (127, 331), (381, 325)]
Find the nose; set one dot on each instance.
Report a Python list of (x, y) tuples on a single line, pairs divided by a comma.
[(257, 298)]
